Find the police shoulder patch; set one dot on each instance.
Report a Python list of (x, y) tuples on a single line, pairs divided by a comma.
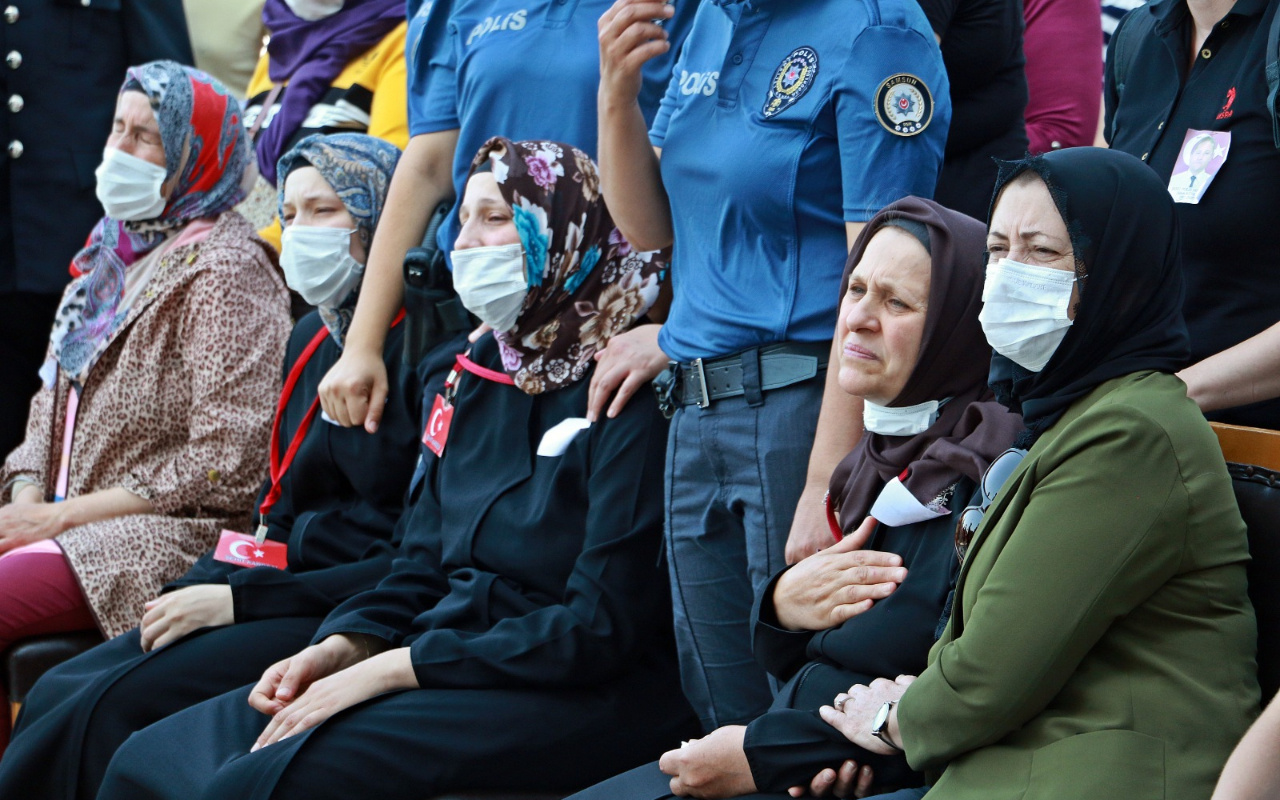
[(904, 105), (791, 80)]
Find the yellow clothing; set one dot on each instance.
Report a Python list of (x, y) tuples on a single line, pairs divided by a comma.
[(369, 96)]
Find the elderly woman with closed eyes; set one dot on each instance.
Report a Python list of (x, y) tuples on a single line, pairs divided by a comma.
[(149, 435)]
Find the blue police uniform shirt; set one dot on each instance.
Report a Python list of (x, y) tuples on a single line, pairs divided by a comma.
[(524, 69), (775, 110)]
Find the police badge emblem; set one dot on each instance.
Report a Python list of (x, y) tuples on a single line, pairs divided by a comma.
[(791, 80), (903, 105)]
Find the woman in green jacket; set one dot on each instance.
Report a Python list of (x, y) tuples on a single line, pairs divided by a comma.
[(1101, 644)]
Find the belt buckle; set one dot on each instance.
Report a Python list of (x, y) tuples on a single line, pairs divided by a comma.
[(704, 399)]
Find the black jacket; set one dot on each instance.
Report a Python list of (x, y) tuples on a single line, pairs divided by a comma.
[(64, 63), (790, 743), (520, 570), (352, 486)]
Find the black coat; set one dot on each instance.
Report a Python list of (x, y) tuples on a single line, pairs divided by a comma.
[(58, 104), (338, 511), (791, 743), (531, 593)]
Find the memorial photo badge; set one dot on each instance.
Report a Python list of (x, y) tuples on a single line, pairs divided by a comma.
[(904, 105), (791, 80)]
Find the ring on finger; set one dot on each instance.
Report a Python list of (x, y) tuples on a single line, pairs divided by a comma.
[(840, 700)]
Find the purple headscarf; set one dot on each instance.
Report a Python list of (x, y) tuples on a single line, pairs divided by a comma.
[(308, 56)]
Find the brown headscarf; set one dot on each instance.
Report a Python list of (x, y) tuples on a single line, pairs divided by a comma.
[(971, 429), (586, 283)]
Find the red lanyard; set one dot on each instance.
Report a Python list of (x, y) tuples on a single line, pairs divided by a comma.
[(464, 364), (280, 466), (832, 522)]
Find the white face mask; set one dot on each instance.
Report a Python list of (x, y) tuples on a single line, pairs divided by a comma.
[(1024, 311), (313, 10), (317, 263), (128, 187), (490, 283), (906, 421)]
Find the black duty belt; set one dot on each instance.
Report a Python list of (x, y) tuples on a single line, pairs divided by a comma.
[(751, 372)]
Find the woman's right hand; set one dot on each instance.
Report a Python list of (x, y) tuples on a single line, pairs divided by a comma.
[(354, 390), (629, 38), (848, 782), (836, 584), (285, 680)]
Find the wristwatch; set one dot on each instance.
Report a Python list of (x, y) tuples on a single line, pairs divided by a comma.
[(880, 726)]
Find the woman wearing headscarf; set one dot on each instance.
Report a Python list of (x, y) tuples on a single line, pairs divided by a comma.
[(148, 436), (1101, 640), (330, 66), (523, 639), (912, 349), (329, 507)]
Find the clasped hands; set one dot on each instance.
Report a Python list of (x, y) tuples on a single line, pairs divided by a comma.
[(306, 689)]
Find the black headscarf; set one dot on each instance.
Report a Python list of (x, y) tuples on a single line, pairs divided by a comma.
[(971, 429), (1124, 232)]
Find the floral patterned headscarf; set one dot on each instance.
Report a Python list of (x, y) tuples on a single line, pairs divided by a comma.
[(586, 283), (207, 160), (358, 168)]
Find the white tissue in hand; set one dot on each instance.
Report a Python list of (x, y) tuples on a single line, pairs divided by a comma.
[(556, 441)]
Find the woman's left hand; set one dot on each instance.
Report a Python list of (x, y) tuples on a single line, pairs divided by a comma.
[(175, 614), (24, 523), (854, 712), (384, 672), (714, 766)]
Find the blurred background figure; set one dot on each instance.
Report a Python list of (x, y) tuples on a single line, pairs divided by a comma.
[(227, 37), (63, 63), (329, 67), (1064, 75)]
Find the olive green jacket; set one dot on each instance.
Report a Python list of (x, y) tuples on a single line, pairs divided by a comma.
[(1102, 642)]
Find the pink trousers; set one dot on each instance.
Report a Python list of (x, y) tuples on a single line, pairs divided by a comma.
[(38, 594)]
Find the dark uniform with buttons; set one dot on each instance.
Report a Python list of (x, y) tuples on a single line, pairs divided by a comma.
[(64, 61), (1230, 255)]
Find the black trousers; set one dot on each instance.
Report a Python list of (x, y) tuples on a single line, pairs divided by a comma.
[(26, 320), (410, 744), (79, 713)]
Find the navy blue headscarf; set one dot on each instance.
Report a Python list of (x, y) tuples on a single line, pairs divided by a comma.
[(1124, 232)]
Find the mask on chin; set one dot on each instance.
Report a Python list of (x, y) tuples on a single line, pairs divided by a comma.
[(317, 264), (314, 10), (490, 282)]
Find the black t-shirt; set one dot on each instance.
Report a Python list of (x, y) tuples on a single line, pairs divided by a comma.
[(982, 51), (1230, 249)]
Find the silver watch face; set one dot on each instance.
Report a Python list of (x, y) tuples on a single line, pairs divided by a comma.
[(882, 718)]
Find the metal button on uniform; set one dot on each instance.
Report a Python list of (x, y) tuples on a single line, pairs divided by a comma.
[(214, 476), (1055, 145), (15, 149), (11, 14), (1205, 53), (737, 58), (15, 103), (14, 59), (1144, 156)]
